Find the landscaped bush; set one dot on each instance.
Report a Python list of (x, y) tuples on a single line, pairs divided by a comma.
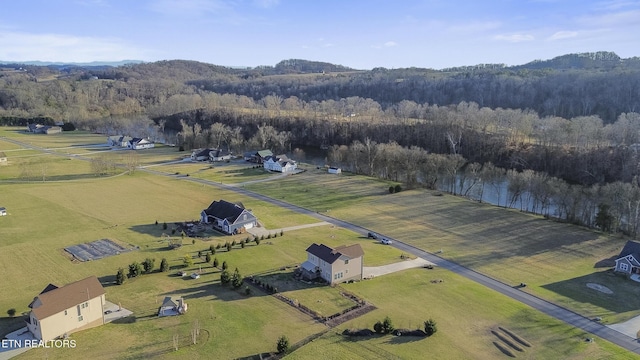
[(384, 327), (187, 260), (225, 266), (398, 188), (225, 278), (430, 327), (229, 247), (242, 245), (135, 269), (257, 240), (283, 345), (219, 246), (281, 232), (236, 279), (207, 258), (215, 262), (391, 189), (120, 277), (148, 265), (164, 265), (377, 327)]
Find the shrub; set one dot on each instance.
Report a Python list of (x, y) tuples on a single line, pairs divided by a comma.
[(275, 235), (236, 279), (212, 249), (391, 189), (283, 345), (219, 246), (225, 277), (247, 290), (173, 231), (11, 312), (233, 243), (262, 237), (229, 247), (398, 188), (377, 327), (269, 236), (135, 269), (199, 254), (247, 240), (242, 245), (164, 265), (387, 325), (193, 241), (430, 327), (224, 265), (257, 241), (120, 278), (187, 260), (148, 265), (156, 222), (164, 226), (215, 262), (281, 232), (207, 258)]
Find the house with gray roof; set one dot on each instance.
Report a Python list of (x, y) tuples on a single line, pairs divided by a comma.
[(228, 217), (628, 261), (334, 265)]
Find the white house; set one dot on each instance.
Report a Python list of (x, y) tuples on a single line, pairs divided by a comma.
[(200, 155), (628, 261), (138, 144), (279, 163), (57, 312)]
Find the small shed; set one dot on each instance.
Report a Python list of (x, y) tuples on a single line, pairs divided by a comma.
[(335, 170)]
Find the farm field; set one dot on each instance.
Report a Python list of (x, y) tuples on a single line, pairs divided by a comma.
[(44, 217), (555, 260)]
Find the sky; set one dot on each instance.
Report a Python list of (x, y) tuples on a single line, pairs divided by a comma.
[(361, 34)]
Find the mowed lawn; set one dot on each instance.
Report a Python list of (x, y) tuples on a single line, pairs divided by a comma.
[(555, 260), (465, 314), (236, 171)]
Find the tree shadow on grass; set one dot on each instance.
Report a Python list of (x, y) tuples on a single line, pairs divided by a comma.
[(625, 294), (606, 263), (107, 280), (397, 340)]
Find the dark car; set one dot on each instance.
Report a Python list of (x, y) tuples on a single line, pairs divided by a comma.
[(372, 235)]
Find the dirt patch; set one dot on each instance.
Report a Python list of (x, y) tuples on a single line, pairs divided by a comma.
[(600, 288)]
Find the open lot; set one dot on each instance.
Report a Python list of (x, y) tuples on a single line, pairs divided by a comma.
[(506, 244), (47, 216)]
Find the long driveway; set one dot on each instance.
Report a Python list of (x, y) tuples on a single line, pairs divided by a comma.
[(535, 302)]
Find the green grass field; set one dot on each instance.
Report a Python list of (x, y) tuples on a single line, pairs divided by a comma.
[(555, 260), (44, 217)]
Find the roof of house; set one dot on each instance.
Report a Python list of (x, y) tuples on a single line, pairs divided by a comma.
[(264, 153), (330, 255), (203, 152), (56, 300), (167, 302), (225, 210), (630, 248), (220, 152)]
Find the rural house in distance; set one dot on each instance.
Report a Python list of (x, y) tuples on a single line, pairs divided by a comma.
[(337, 265), (57, 312), (228, 217), (628, 261), (279, 163), (3, 158)]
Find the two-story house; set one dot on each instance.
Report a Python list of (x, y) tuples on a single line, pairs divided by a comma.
[(334, 265)]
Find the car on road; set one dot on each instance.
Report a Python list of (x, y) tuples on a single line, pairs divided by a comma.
[(386, 241), (372, 235)]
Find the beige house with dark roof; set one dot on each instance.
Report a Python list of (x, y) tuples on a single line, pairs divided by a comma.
[(57, 312), (335, 266)]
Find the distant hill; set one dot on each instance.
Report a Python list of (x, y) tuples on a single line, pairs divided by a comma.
[(583, 61), (68, 64)]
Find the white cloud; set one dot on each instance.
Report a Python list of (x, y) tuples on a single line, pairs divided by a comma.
[(561, 35), (17, 46), (514, 38), (390, 44)]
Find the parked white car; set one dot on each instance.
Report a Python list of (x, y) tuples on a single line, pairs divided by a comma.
[(195, 276), (386, 241)]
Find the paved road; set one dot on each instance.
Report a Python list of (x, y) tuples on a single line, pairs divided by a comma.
[(535, 302)]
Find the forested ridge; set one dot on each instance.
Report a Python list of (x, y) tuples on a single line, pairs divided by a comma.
[(568, 123)]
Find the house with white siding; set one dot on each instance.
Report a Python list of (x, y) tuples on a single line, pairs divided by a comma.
[(334, 265)]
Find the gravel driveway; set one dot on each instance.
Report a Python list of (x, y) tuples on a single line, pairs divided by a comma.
[(369, 272)]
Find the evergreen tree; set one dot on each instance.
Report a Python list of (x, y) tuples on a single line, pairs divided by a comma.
[(164, 265), (120, 277)]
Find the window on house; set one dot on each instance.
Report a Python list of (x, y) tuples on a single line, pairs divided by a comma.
[(346, 261), (65, 312), (80, 318), (624, 267)]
